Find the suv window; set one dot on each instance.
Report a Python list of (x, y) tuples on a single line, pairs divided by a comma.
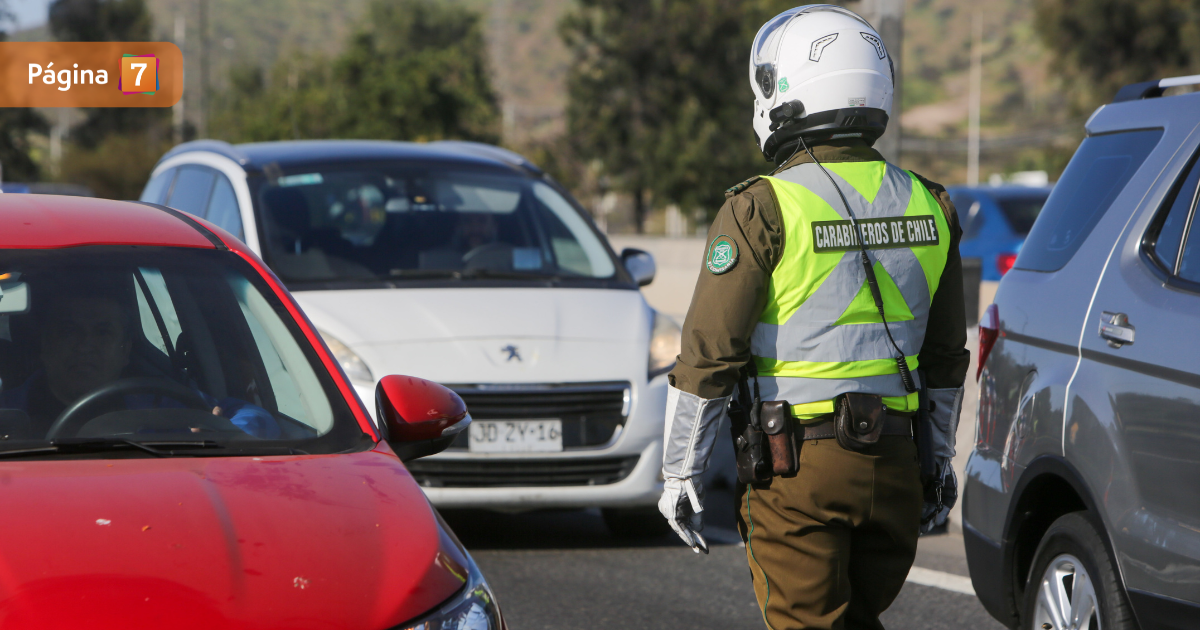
[(223, 208), (191, 190), (1093, 179), (1164, 238), (158, 187)]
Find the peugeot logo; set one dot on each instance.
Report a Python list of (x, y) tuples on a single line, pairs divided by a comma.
[(513, 352)]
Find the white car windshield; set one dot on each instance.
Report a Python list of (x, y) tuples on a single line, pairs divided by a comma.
[(370, 222)]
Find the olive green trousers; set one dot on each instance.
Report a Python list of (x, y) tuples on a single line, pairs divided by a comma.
[(831, 546)]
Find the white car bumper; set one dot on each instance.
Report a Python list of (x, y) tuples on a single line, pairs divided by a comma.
[(640, 488)]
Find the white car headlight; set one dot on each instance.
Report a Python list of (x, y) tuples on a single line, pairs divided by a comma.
[(665, 338), (473, 608), (354, 366)]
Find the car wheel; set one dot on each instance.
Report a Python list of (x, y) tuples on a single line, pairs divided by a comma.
[(635, 522), (1073, 584)]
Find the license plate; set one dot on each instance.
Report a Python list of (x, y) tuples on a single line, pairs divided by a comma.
[(516, 436)]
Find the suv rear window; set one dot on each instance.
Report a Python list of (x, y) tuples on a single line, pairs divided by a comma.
[(1093, 179)]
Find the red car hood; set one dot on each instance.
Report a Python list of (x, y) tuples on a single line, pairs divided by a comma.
[(320, 541)]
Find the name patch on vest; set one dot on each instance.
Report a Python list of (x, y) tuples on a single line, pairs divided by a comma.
[(885, 233)]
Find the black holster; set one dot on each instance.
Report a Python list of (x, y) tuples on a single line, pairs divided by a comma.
[(858, 420), (750, 447)]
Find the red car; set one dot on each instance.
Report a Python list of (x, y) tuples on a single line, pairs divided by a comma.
[(179, 449)]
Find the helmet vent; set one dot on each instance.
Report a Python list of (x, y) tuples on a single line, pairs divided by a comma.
[(818, 47), (877, 43)]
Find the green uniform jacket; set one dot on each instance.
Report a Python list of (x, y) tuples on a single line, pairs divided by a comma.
[(725, 308)]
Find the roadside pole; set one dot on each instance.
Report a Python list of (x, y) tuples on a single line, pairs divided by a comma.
[(887, 16)]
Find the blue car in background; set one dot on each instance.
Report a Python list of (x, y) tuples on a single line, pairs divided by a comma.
[(995, 221)]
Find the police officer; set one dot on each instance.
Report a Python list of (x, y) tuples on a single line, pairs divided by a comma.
[(795, 302)]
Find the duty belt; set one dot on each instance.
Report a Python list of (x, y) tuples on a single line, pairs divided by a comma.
[(893, 424)]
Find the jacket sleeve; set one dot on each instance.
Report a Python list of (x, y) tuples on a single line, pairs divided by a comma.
[(726, 306), (944, 357)]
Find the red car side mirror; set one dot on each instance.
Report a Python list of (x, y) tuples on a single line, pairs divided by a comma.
[(419, 417)]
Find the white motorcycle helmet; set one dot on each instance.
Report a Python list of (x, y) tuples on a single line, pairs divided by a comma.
[(821, 72)]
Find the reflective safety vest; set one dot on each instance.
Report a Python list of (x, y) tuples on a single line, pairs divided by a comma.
[(820, 334)]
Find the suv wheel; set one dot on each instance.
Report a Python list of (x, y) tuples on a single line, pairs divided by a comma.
[(635, 522), (1073, 584)]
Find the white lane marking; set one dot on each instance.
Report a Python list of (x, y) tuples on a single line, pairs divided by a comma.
[(941, 579)]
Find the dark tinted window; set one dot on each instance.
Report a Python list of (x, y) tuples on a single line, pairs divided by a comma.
[(970, 213), (191, 190), (1022, 211), (383, 221), (1096, 175), (1164, 242), (157, 189), (175, 343), (1189, 265), (223, 208)]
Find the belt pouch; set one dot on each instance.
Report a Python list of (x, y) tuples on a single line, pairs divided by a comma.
[(776, 421), (858, 420)]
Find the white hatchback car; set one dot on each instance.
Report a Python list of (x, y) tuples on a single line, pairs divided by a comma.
[(464, 264)]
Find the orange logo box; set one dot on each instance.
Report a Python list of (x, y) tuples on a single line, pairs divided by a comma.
[(90, 74), (139, 74)]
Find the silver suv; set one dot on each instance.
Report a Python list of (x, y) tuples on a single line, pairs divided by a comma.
[(1082, 495)]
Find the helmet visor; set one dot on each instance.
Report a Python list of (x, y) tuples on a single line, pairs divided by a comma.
[(766, 43)]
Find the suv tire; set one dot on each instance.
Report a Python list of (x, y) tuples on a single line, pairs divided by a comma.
[(1072, 570), (635, 522)]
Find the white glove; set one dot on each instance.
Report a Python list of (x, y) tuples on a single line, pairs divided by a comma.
[(947, 403), (682, 503), (688, 438)]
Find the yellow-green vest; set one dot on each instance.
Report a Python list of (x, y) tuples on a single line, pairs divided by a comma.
[(820, 334)]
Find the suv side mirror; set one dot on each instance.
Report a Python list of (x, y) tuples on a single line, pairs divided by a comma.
[(419, 417), (640, 265)]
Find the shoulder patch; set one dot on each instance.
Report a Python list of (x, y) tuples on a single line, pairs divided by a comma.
[(722, 255), (729, 192)]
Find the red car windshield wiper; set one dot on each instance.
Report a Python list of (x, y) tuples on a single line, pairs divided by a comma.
[(73, 446), (157, 448)]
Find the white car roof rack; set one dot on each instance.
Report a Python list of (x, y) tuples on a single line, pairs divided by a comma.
[(1152, 89)]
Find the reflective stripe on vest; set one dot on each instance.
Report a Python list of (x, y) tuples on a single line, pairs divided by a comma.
[(820, 334)]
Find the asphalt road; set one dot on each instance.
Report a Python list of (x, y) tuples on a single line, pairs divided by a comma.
[(563, 570)]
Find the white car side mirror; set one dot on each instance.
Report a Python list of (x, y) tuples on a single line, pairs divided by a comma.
[(640, 265)]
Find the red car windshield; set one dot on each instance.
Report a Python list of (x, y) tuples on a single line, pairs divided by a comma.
[(183, 350)]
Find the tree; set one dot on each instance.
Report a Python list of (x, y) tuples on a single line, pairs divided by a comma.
[(413, 70), (658, 95), (1100, 45), (107, 21), (114, 149), (418, 70), (15, 126)]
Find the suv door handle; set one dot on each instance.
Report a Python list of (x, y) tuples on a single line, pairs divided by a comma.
[(1116, 329)]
